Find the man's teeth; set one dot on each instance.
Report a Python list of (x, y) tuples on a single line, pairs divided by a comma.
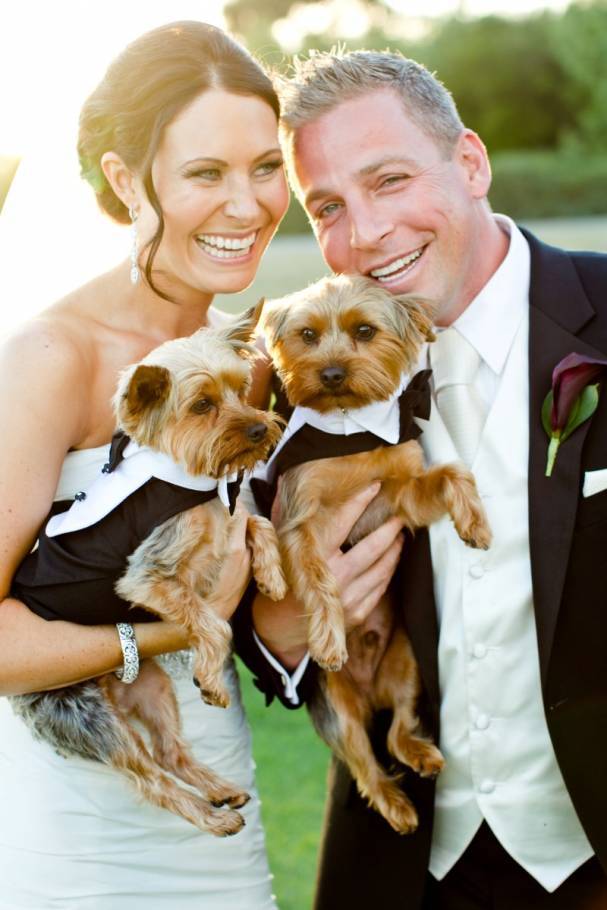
[(396, 266), (226, 247)]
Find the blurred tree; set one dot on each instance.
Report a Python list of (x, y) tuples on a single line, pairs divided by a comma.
[(579, 40), (506, 79)]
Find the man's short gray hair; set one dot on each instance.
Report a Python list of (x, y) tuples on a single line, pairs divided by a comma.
[(323, 80)]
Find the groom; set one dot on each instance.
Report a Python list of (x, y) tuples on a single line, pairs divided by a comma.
[(512, 644)]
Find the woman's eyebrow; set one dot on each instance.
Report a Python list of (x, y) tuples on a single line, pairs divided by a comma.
[(220, 163)]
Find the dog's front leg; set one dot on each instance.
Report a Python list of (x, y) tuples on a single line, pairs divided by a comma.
[(315, 586), (266, 561), (422, 496)]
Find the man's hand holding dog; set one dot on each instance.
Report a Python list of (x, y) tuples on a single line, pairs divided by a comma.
[(362, 573)]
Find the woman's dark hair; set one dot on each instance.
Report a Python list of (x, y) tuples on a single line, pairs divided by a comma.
[(142, 92)]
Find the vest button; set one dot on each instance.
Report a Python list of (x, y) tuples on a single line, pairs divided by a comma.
[(476, 570), (482, 722), (486, 786)]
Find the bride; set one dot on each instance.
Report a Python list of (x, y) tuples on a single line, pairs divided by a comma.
[(180, 140)]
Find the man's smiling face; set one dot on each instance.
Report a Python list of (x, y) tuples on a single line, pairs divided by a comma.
[(388, 202)]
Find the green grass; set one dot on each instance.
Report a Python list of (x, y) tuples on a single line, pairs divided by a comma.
[(291, 771)]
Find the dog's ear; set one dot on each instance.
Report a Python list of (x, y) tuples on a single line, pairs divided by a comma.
[(242, 328), (141, 403), (273, 321), (416, 310)]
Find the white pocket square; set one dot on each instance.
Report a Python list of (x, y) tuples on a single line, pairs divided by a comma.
[(594, 482)]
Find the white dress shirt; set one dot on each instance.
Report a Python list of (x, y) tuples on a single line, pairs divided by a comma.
[(500, 764)]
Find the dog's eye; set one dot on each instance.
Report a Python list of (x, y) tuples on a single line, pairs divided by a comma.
[(309, 336), (365, 332), (202, 406)]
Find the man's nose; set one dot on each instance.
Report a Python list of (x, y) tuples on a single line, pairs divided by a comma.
[(367, 227), (242, 203)]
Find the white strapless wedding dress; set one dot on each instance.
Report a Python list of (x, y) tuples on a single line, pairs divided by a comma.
[(73, 835)]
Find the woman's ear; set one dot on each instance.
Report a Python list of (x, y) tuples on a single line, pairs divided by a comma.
[(121, 179)]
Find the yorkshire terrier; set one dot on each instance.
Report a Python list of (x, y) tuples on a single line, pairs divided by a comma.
[(342, 348), (184, 407)]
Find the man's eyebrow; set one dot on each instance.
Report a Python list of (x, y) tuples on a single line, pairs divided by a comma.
[(389, 159), (366, 171)]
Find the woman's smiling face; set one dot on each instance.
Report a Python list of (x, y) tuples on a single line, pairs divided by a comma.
[(218, 175)]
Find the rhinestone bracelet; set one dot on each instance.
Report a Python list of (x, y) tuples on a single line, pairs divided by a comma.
[(130, 654)]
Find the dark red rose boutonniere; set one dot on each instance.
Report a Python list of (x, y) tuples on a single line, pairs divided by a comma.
[(571, 401)]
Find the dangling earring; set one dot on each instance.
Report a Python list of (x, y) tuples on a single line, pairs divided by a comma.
[(134, 246)]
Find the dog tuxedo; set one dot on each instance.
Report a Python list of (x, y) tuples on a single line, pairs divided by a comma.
[(310, 435), (83, 551)]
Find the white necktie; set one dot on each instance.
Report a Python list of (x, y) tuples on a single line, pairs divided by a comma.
[(455, 364)]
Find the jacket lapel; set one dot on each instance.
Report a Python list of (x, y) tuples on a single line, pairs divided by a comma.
[(559, 309)]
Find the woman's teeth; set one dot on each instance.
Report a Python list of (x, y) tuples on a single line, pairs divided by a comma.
[(225, 247), (387, 271)]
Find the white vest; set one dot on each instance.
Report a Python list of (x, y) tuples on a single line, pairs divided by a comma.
[(500, 764)]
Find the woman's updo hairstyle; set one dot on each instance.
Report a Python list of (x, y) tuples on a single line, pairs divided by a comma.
[(142, 92)]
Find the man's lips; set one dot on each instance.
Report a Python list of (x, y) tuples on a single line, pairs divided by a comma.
[(395, 266)]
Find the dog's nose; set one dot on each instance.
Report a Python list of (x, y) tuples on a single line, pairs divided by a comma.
[(332, 376), (256, 432)]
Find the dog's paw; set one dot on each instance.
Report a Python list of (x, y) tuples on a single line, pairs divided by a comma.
[(422, 757), (272, 584), (216, 696), (233, 799), (398, 811), (225, 823), (331, 659), (475, 532)]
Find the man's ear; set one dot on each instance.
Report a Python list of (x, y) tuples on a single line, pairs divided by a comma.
[(471, 155), (242, 328), (141, 405)]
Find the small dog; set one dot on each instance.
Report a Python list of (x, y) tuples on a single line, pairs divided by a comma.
[(187, 401), (342, 345)]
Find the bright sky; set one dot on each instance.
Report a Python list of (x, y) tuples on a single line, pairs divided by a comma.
[(54, 51)]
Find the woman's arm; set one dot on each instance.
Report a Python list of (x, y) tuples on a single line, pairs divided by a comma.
[(44, 413)]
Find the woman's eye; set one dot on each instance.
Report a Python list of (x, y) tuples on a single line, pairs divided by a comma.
[(309, 336), (365, 332), (269, 167), (202, 406), (211, 174)]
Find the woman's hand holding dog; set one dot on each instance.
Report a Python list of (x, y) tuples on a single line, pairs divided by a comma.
[(363, 574)]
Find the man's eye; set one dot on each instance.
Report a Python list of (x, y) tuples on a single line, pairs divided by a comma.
[(202, 406), (393, 179), (365, 332), (309, 336), (327, 210)]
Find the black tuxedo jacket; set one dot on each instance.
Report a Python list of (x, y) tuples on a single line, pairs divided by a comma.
[(363, 862)]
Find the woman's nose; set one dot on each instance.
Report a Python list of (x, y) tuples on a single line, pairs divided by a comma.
[(242, 203)]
